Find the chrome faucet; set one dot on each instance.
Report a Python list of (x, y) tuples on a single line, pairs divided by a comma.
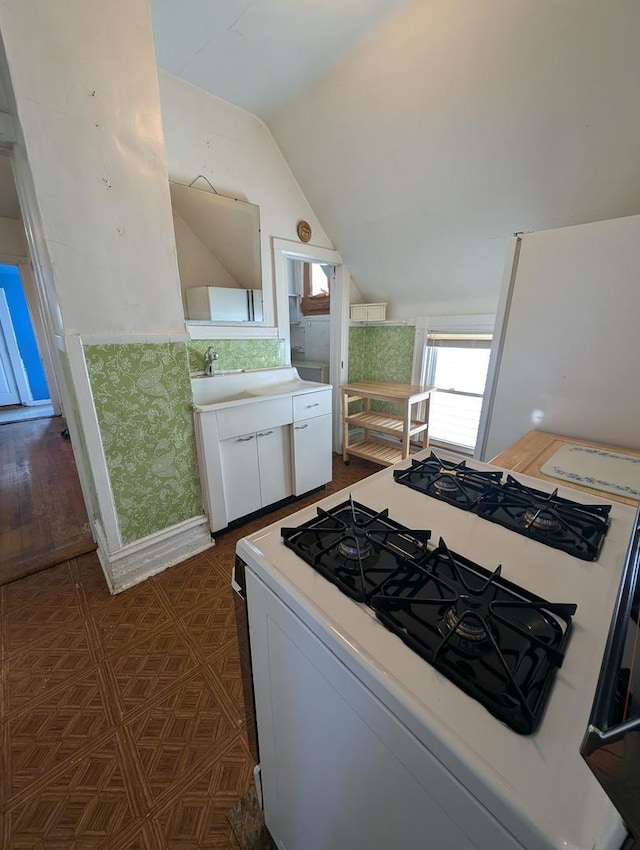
[(210, 356)]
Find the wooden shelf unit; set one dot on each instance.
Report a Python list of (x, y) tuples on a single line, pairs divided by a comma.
[(404, 425)]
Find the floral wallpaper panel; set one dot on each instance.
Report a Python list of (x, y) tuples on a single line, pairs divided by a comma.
[(237, 353), (381, 354), (142, 394)]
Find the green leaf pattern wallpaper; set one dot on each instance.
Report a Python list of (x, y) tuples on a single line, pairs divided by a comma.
[(381, 354), (237, 353), (142, 394)]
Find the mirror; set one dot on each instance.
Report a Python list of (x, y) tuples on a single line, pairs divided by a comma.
[(219, 256)]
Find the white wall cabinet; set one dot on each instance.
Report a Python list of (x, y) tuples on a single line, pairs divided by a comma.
[(368, 312)]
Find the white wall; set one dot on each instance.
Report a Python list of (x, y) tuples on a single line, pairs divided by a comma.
[(236, 152), (12, 240), (196, 263), (317, 338), (458, 123), (90, 116)]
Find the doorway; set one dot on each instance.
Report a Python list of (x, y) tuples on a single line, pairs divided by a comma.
[(44, 519), (310, 285), (24, 391), (285, 250)]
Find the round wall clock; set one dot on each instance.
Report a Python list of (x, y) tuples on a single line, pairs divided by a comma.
[(303, 229)]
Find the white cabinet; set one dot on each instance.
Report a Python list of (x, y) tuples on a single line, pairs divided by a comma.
[(224, 304), (368, 312), (312, 453), (311, 440), (274, 464), (256, 453), (240, 476), (256, 470)]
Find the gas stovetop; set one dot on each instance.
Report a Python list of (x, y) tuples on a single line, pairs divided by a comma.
[(548, 518), (498, 764), (496, 641)]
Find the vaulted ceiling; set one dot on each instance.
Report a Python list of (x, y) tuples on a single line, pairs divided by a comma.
[(425, 132), (260, 53)]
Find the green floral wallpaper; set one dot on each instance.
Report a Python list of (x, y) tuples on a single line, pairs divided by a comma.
[(237, 353), (142, 395), (381, 354)]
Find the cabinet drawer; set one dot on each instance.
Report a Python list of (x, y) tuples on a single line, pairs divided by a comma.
[(309, 405), (246, 418)]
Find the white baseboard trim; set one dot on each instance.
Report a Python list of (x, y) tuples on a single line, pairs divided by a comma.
[(153, 554), (45, 402)]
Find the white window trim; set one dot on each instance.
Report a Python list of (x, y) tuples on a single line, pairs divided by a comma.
[(481, 323)]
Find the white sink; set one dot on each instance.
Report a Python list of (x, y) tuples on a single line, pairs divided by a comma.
[(282, 389), (235, 387)]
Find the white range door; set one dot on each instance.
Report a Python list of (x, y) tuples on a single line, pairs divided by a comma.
[(366, 746)]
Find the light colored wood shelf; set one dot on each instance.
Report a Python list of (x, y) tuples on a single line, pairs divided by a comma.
[(386, 423), (404, 425), (382, 453)]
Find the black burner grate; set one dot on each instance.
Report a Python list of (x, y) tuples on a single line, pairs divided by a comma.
[(548, 518), (497, 642), (452, 482), (354, 547)]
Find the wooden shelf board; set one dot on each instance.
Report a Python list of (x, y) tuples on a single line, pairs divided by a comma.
[(387, 391), (377, 452), (385, 422)]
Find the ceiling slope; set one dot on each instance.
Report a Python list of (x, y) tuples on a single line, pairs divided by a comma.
[(456, 124), (259, 53), (425, 132)]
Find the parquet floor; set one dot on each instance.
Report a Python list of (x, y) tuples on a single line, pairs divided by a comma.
[(121, 716), (43, 520)]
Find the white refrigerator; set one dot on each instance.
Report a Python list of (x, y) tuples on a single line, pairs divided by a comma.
[(567, 338), (224, 304)]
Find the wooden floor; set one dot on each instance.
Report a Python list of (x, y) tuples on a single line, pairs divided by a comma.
[(43, 520), (121, 717)]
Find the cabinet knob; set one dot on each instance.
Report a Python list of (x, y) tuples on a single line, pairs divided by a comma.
[(245, 439), (265, 433), (317, 404), (301, 427)]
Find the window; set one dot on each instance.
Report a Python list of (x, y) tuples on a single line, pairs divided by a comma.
[(454, 354), (316, 299)]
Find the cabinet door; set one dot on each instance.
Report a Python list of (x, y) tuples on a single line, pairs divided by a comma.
[(358, 312), (311, 453), (274, 461), (376, 312), (240, 478)]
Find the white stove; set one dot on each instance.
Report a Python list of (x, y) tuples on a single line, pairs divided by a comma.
[(363, 744)]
